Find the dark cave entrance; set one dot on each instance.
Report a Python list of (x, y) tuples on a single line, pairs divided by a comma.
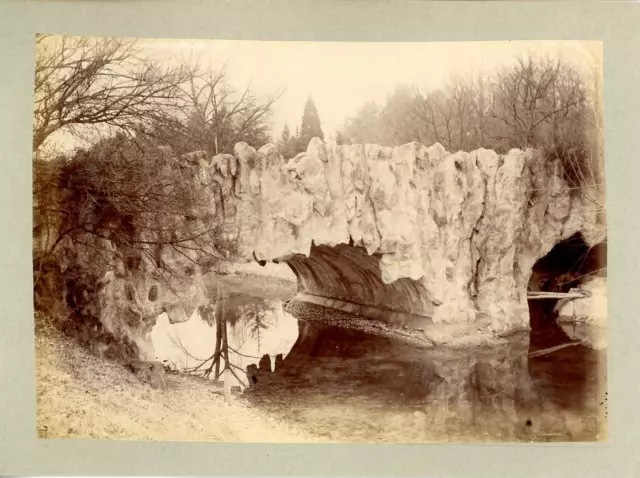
[(566, 266), (567, 377), (569, 262)]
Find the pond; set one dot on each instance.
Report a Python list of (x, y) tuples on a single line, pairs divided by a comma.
[(347, 386), (257, 326)]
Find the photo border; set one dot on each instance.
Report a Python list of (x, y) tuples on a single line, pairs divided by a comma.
[(614, 23)]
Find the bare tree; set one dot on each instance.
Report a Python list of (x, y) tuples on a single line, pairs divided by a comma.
[(210, 115), (398, 117), (434, 108), (80, 84), (533, 102), (126, 190), (97, 81), (365, 127), (131, 197), (533, 93)]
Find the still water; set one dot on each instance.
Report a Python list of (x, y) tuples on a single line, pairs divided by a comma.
[(257, 326), (347, 386)]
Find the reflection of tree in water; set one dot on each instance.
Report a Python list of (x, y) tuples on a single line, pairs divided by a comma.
[(255, 318), (215, 314), (248, 317)]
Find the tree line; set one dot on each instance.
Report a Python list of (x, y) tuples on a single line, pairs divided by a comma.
[(535, 102), (84, 83)]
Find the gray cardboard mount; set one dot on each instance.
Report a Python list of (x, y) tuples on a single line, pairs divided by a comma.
[(616, 24)]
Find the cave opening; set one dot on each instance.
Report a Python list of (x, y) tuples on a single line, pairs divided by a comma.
[(573, 366), (346, 278), (569, 264)]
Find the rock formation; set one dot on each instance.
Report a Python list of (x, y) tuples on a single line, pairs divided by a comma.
[(114, 290), (411, 235), (413, 230), (585, 319)]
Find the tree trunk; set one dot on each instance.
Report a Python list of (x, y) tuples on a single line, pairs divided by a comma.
[(227, 364), (216, 356), (226, 374), (221, 327), (227, 384)]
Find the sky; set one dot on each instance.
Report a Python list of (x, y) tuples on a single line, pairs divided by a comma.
[(343, 76)]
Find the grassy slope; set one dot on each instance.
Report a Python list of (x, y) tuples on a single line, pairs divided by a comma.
[(81, 396)]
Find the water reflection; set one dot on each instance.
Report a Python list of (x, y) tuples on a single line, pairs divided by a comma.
[(348, 386), (256, 326)]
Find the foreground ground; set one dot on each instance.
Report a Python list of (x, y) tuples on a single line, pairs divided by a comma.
[(80, 396)]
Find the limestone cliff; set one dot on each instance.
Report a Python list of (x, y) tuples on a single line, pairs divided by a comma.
[(412, 235), (449, 236)]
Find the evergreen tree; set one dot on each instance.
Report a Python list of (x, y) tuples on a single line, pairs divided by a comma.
[(310, 127), (286, 135), (287, 144)]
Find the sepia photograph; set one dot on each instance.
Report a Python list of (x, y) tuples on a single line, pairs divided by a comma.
[(319, 242)]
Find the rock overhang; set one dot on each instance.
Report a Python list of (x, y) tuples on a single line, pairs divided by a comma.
[(466, 228)]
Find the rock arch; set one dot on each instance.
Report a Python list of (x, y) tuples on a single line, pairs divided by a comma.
[(413, 236)]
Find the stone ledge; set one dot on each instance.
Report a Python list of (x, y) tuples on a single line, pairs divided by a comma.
[(414, 321), (432, 335)]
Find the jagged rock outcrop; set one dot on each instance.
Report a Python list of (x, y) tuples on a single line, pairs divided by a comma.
[(115, 286), (452, 237), (411, 235), (130, 302)]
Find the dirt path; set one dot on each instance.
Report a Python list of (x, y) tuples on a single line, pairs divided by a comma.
[(80, 396)]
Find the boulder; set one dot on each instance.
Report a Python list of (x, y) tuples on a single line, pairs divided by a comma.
[(591, 309), (152, 373), (279, 363), (585, 318), (252, 374)]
